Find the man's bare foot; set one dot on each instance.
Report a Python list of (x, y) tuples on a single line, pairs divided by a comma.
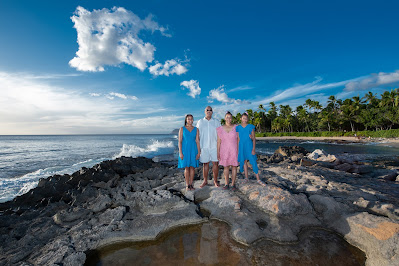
[(204, 184), (216, 183)]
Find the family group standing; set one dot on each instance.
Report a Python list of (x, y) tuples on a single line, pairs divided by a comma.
[(209, 142)]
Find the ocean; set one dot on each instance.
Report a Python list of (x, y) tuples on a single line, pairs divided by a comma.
[(26, 159)]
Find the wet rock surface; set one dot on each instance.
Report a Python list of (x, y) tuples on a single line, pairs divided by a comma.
[(128, 199), (211, 244)]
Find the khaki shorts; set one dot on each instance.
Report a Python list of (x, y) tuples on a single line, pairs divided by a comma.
[(208, 155)]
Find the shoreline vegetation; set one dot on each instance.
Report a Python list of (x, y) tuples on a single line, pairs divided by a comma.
[(368, 116), (386, 134)]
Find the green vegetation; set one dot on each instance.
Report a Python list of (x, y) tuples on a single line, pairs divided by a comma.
[(390, 133), (368, 116)]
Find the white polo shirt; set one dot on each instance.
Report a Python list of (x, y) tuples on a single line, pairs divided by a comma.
[(208, 134)]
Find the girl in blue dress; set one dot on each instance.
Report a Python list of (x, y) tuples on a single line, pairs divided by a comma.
[(246, 148), (189, 150)]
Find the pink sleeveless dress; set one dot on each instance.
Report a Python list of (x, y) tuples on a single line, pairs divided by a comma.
[(228, 147)]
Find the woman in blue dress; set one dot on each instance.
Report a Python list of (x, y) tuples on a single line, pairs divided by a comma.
[(189, 150), (246, 148)]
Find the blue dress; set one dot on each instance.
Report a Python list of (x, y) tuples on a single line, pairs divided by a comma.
[(189, 149), (245, 147)]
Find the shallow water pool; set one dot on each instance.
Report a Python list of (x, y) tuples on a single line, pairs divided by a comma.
[(210, 244)]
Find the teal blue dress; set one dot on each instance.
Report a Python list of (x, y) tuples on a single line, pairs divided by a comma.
[(245, 147), (189, 149)]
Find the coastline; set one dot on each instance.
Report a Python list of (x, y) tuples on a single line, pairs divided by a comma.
[(380, 141), (66, 218)]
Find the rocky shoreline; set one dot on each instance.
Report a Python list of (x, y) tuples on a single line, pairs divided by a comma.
[(135, 199)]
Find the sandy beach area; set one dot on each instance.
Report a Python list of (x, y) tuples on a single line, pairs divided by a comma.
[(380, 141)]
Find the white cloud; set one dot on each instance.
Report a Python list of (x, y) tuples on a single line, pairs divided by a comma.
[(110, 37), (193, 86), (299, 91), (122, 96), (112, 96), (220, 95), (170, 67), (155, 123), (374, 81), (241, 88), (34, 106), (51, 76)]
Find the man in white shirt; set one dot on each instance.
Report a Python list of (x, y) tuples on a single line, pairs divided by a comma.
[(208, 143)]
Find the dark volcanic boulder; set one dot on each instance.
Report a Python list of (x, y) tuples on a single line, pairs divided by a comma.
[(283, 153), (288, 151), (66, 187)]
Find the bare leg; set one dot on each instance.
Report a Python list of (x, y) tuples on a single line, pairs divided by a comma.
[(226, 172), (257, 176), (215, 170), (233, 175), (187, 176), (191, 179), (246, 169), (260, 182), (205, 172)]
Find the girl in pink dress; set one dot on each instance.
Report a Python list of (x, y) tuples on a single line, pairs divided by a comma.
[(227, 148)]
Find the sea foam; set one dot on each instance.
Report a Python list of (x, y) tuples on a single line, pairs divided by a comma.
[(154, 148), (13, 187)]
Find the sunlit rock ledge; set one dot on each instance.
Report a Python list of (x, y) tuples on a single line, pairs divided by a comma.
[(129, 199)]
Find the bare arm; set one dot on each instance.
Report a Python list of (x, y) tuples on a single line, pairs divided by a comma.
[(219, 142), (180, 143), (238, 141), (253, 141), (197, 140)]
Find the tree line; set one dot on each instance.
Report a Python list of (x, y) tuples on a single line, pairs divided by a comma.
[(353, 114)]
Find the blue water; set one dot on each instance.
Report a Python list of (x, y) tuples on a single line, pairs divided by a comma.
[(26, 159), (367, 150)]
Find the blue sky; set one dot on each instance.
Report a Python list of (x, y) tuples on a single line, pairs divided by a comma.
[(82, 67)]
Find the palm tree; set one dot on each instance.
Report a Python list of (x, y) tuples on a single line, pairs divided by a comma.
[(272, 113), (389, 106), (370, 98), (250, 116), (237, 119), (303, 117), (257, 121), (333, 104), (286, 115), (308, 104), (317, 106), (326, 116), (357, 104), (332, 101), (347, 112), (261, 116)]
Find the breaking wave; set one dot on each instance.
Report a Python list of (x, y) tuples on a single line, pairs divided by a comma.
[(154, 148)]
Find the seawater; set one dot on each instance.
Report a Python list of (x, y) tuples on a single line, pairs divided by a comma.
[(364, 150), (211, 244), (26, 159)]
